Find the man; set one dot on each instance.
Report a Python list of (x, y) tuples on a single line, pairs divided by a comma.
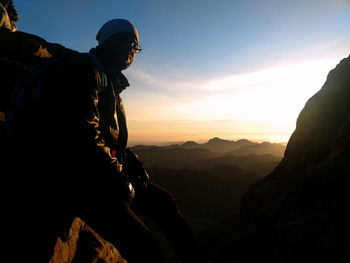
[(77, 148)]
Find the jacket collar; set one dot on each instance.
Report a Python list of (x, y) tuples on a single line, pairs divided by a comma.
[(119, 83)]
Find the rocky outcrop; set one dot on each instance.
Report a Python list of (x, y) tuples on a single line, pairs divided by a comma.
[(30, 49), (84, 245), (300, 212)]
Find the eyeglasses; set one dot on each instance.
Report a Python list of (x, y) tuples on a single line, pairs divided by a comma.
[(135, 46), (124, 40)]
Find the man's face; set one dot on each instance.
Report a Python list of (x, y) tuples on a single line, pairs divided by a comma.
[(120, 49)]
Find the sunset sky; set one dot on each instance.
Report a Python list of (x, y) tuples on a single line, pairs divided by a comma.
[(232, 69)]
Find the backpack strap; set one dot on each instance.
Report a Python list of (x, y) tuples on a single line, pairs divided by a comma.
[(100, 69)]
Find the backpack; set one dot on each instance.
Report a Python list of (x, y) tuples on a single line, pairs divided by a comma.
[(19, 52), (26, 92)]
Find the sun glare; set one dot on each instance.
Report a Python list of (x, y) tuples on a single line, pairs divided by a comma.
[(261, 105), (276, 94)]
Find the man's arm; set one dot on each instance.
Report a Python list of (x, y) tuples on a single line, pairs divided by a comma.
[(75, 88)]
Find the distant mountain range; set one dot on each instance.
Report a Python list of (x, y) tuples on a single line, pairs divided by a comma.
[(209, 179), (217, 145), (239, 147), (191, 155)]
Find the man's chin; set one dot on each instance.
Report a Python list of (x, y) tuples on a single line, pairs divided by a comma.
[(126, 65)]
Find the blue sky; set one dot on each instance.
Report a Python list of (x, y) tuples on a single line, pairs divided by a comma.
[(201, 58)]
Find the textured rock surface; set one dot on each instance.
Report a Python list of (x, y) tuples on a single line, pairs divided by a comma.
[(300, 212), (84, 245)]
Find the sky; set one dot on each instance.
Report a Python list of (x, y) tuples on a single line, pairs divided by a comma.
[(211, 68)]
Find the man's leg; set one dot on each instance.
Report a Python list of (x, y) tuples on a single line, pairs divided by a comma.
[(160, 205), (119, 225)]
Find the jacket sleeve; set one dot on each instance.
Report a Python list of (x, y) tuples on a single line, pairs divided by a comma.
[(72, 100)]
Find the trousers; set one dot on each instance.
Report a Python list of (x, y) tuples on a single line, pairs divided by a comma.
[(125, 230)]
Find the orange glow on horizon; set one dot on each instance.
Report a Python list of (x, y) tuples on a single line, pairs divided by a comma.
[(258, 106)]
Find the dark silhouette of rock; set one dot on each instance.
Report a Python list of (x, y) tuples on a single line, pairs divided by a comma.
[(300, 212), (84, 245), (30, 49)]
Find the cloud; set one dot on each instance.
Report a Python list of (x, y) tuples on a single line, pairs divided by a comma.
[(276, 94), (141, 76), (258, 103), (276, 78)]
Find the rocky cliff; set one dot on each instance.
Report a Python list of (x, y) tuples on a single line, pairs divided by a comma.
[(300, 212)]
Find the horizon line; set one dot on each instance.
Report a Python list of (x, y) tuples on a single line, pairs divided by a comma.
[(200, 141)]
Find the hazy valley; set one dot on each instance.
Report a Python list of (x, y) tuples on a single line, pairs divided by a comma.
[(209, 179)]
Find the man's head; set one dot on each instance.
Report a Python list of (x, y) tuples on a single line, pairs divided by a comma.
[(118, 42)]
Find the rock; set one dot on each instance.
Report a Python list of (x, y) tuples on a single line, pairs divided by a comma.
[(316, 155), (84, 245), (30, 49), (300, 212)]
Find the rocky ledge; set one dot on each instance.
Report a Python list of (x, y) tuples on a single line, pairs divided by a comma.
[(83, 245)]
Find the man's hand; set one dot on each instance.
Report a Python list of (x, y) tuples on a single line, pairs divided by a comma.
[(135, 170), (125, 190)]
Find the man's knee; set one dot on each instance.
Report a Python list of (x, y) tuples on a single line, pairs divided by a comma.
[(155, 200), (163, 196)]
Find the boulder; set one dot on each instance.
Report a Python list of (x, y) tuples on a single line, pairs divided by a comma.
[(82, 244), (30, 49)]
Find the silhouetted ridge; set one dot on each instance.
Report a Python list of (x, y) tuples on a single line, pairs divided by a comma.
[(216, 140), (217, 145), (189, 144)]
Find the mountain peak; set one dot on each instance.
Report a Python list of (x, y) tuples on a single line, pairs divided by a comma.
[(243, 141), (190, 143), (216, 140)]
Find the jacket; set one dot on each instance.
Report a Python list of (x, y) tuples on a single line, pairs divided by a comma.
[(76, 127)]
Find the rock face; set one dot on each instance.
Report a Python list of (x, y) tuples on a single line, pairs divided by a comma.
[(300, 212), (84, 245)]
